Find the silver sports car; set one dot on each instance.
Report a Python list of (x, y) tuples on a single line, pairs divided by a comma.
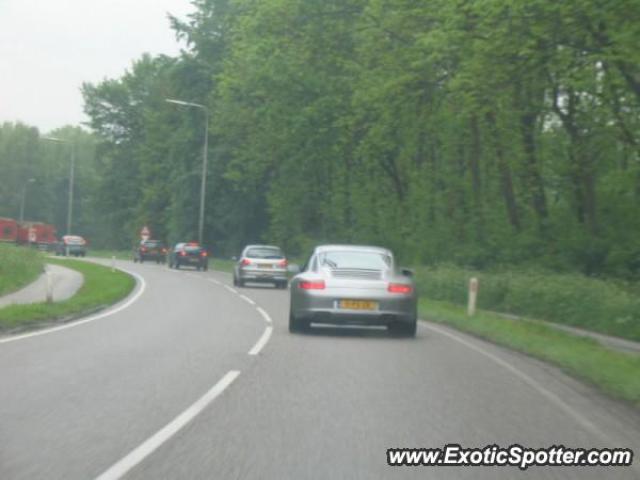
[(347, 284)]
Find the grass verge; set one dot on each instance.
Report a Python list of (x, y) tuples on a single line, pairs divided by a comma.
[(221, 265), (19, 266), (101, 288), (601, 305), (615, 373), (119, 254)]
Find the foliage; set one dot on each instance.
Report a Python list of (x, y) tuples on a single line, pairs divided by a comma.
[(600, 305)]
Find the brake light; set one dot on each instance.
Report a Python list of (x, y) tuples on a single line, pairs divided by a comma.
[(283, 263), (164, 250), (183, 253), (143, 249), (312, 285), (204, 254), (246, 261), (400, 288)]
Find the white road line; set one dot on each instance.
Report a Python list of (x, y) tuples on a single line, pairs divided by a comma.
[(119, 469), (262, 341), (552, 397), (142, 287), (247, 299), (231, 289), (213, 280), (264, 314)]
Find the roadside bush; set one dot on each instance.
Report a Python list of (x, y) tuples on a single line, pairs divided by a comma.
[(600, 305)]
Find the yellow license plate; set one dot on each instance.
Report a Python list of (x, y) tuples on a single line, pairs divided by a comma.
[(358, 304)]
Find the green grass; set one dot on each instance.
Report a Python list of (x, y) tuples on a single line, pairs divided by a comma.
[(19, 266), (615, 373), (221, 265), (101, 288), (119, 254), (600, 305)]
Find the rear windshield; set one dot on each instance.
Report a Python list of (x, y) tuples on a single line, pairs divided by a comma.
[(264, 252), (355, 260), (192, 249), (152, 244)]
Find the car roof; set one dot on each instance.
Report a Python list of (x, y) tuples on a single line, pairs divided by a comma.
[(262, 246), (357, 248)]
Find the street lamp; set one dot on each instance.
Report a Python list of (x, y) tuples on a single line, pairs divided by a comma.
[(24, 197), (203, 184), (71, 177)]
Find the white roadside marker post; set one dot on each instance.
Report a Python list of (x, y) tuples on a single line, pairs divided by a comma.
[(113, 263), (49, 286), (473, 296)]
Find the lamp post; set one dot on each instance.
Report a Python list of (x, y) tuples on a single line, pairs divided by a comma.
[(72, 168), (24, 197), (203, 183)]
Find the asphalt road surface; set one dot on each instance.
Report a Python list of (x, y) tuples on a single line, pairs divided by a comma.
[(189, 379)]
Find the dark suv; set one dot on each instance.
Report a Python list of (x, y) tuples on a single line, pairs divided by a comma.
[(189, 254), (150, 250)]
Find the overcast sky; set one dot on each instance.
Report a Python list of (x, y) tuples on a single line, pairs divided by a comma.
[(49, 47)]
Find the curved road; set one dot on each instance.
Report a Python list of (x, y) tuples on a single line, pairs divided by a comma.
[(193, 379)]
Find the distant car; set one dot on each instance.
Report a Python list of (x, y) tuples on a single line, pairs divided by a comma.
[(359, 285), (72, 245), (261, 264), (150, 250), (191, 254)]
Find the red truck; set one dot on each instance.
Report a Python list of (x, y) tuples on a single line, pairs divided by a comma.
[(41, 235), (8, 230)]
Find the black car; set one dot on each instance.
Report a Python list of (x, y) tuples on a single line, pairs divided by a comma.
[(152, 250), (191, 254)]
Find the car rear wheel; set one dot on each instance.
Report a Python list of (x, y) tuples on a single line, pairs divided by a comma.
[(297, 325), (177, 266), (403, 329)]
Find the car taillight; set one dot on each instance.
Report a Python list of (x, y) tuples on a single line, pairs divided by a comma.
[(246, 261), (400, 288), (312, 285), (204, 254), (164, 250), (143, 249), (283, 263), (183, 253)]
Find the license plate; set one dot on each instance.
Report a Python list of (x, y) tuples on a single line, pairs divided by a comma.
[(264, 265), (358, 305)]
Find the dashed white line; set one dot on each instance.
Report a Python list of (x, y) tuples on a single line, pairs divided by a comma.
[(262, 341), (264, 314), (247, 299), (119, 469), (142, 286), (231, 289)]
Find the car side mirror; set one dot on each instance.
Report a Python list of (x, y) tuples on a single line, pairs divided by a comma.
[(294, 269), (407, 272)]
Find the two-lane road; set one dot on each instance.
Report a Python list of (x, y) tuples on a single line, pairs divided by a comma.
[(196, 379)]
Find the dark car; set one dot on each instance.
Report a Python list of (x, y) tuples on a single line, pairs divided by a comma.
[(152, 250), (261, 264), (72, 245), (191, 254)]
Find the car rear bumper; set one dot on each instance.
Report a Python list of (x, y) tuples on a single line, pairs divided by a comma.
[(325, 308), (263, 275)]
